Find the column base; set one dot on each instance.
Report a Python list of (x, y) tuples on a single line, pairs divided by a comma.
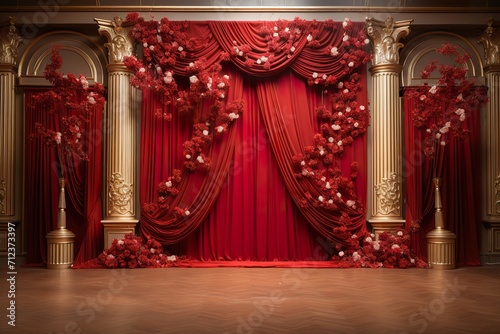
[(60, 248), (490, 241), (116, 229), (441, 249), (386, 225)]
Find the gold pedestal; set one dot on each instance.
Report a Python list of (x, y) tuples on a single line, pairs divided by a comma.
[(440, 242), (441, 249), (60, 252), (60, 242)]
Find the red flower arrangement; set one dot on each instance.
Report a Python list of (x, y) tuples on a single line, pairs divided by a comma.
[(74, 101), (135, 252), (388, 251), (441, 109)]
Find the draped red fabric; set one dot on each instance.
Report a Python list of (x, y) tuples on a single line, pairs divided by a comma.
[(214, 37), (245, 206), (82, 189), (459, 166)]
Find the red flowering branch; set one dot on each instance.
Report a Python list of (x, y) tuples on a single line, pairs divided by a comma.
[(441, 109), (73, 101)]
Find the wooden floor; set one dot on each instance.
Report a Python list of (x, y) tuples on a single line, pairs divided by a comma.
[(254, 300)]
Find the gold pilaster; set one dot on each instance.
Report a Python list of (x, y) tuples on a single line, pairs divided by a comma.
[(10, 39), (386, 195), (121, 140), (490, 38)]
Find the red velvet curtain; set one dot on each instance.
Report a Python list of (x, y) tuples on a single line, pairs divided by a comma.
[(459, 166), (83, 188), (245, 206)]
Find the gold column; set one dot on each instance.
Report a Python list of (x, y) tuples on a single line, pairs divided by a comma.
[(9, 209), (386, 195), (121, 139), (490, 39)]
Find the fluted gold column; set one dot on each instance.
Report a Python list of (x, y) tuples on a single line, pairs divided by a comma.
[(490, 39), (10, 39), (121, 140), (386, 195)]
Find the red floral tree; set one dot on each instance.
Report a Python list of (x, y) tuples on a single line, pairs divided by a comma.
[(71, 101), (442, 108)]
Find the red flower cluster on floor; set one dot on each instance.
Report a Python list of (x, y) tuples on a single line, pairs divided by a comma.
[(389, 250), (136, 252)]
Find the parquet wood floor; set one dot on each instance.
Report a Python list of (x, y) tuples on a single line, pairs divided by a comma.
[(254, 300)]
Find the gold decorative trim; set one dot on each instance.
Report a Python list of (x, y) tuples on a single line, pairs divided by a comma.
[(389, 195), (10, 40), (427, 43), (3, 192), (497, 195), (312, 9), (490, 38), (120, 195), (385, 69)]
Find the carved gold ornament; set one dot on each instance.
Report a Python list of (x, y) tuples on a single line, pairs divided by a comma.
[(120, 195), (389, 195)]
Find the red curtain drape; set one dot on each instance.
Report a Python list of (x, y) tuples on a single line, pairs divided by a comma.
[(245, 206), (460, 169), (83, 187)]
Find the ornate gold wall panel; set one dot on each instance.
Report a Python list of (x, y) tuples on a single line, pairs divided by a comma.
[(490, 250), (492, 145), (7, 143), (490, 39)]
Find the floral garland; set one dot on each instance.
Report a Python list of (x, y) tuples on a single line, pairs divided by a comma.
[(340, 125), (441, 109), (163, 43), (135, 252), (74, 101)]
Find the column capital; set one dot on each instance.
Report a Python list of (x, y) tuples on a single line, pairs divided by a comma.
[(490, 38), (385, 36), (10, 40), (120, 43)]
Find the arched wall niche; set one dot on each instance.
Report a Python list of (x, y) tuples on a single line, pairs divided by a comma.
[(80, 56), (420, 50)]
